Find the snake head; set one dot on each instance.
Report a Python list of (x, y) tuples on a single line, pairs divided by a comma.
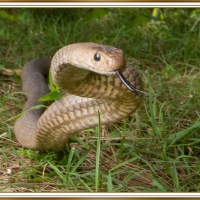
[(90, 56), (107, 59)]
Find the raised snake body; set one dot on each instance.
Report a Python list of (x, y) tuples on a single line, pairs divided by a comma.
[(86, 73)]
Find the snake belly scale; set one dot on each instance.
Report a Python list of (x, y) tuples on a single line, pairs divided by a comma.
[(86, 73)]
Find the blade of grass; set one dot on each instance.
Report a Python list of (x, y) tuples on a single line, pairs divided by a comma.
[(73, 169), (58, 172), (70, 162), (98, 153), (179, 135), (86, 185), (160, 187), (125, 162), (19, 115), (109, 183)]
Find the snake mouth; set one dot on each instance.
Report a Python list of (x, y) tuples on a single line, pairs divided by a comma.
[(102, 72), (126, 83)]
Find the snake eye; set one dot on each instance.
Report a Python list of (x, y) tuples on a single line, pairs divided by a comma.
[(97, 57)]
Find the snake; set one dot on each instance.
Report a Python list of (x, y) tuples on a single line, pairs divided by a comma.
[(96, 83)]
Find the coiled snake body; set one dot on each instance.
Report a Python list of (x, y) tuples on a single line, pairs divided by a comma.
[(87, 73)]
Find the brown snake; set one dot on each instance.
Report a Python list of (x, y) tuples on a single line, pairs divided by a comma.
[(89, 75)]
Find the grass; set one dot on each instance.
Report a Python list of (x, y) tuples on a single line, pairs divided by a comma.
[(156, 149)]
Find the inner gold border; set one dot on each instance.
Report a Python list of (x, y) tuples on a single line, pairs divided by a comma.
[(100, 1)]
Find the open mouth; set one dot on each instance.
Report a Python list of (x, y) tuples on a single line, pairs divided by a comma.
[(126, 83)]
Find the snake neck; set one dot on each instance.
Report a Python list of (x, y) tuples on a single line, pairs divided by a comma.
[(84, 83)]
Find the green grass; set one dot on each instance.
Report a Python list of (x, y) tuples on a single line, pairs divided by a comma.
[(156, 149)]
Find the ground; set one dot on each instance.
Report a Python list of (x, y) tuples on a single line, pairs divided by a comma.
[(156, 149)]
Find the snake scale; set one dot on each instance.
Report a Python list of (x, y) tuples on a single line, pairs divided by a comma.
[(89, 75)]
